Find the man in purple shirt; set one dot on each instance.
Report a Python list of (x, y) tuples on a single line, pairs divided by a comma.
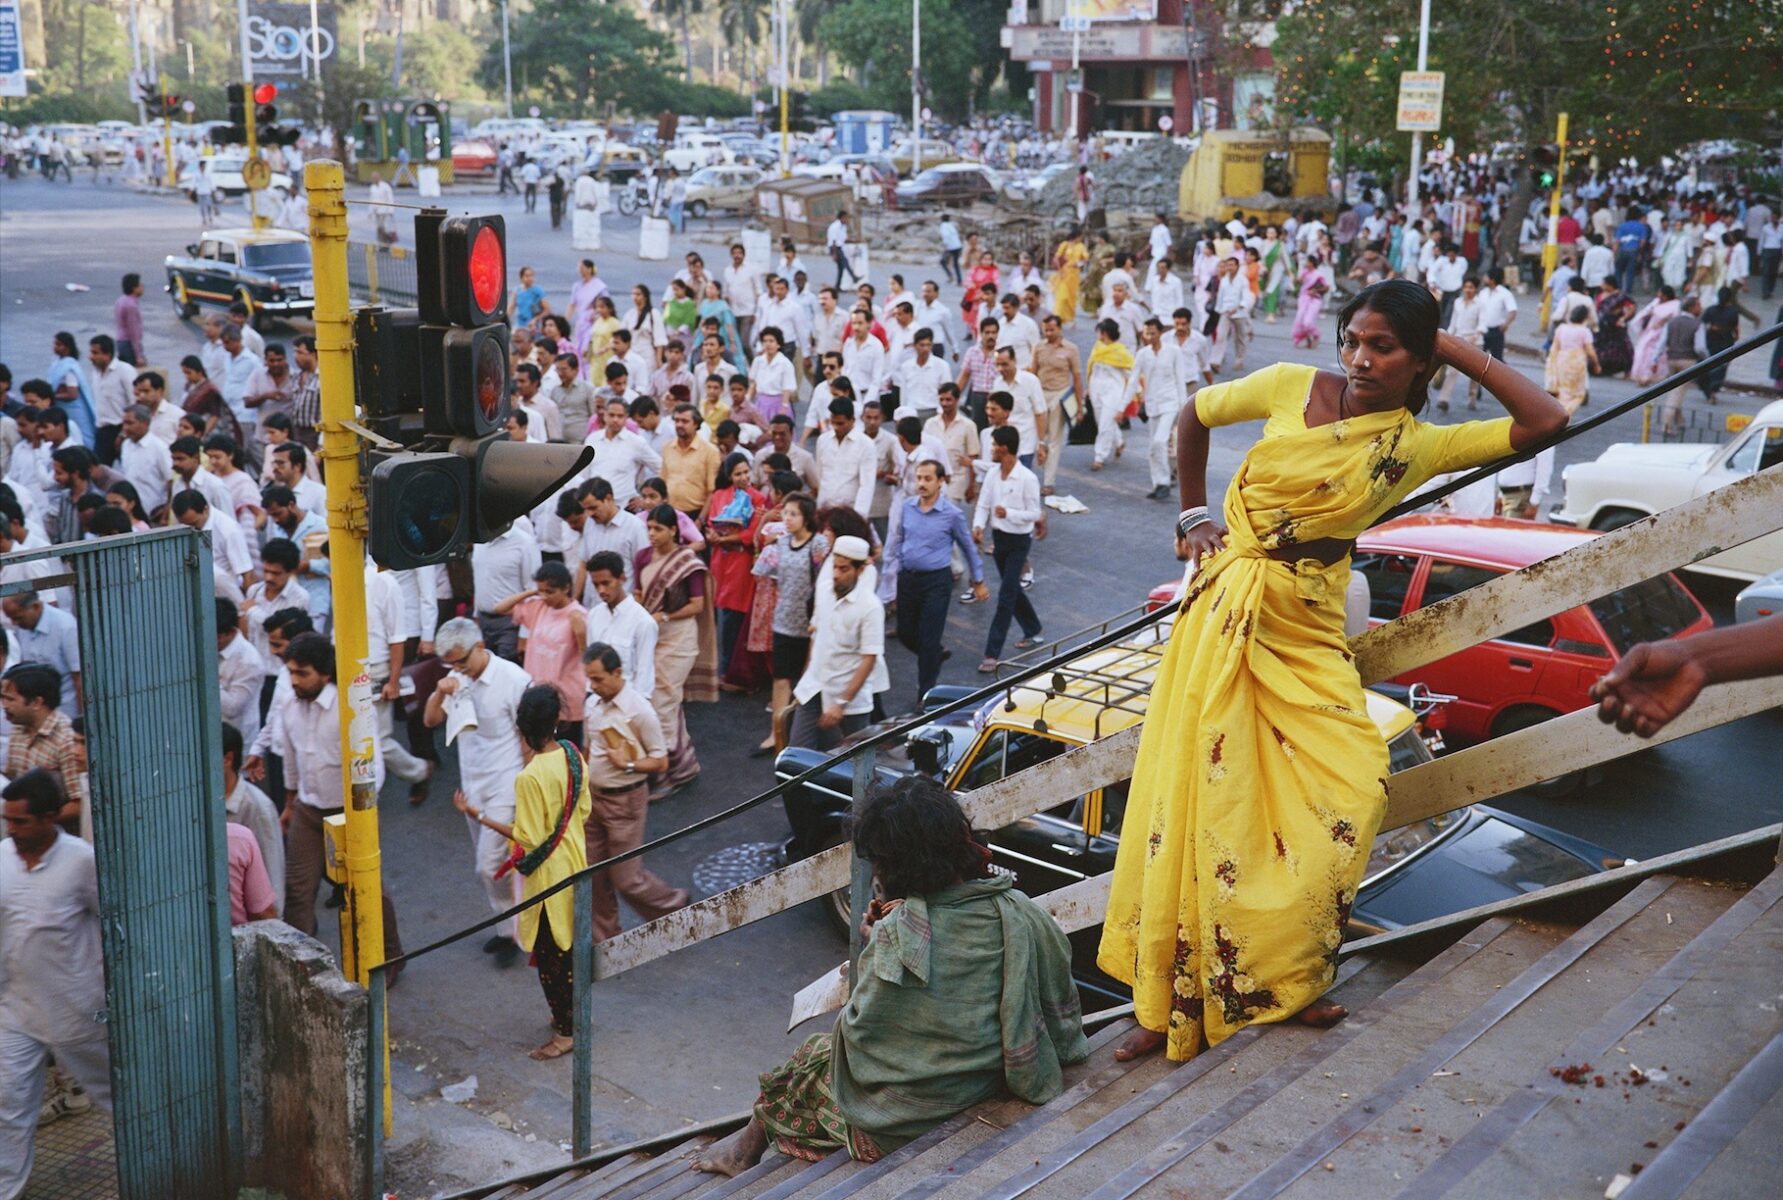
[(126, 315)]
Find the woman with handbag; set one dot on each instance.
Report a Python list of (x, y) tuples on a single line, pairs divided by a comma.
[(551, 805)]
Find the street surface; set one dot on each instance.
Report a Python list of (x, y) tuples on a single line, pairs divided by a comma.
[(682, 1040)]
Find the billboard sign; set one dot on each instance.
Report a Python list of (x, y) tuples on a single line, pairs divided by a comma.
[(283, 45), (12, 50), (1088, 11), (1420, 101)]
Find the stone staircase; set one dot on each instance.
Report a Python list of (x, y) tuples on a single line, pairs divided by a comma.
[(1631, 1032)]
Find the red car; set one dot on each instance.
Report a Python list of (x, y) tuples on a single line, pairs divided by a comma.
[(1529, 674), (472, 157), (1526, 675)]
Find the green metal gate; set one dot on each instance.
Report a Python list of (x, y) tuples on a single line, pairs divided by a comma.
[(149, 687)]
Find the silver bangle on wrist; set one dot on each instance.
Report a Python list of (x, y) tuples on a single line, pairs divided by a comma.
[(1189, 518)]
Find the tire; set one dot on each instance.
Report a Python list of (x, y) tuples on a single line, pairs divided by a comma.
[(183, 308), (1615, 518), (1524, 717), (697, 209), (255, 317), (627, 205)]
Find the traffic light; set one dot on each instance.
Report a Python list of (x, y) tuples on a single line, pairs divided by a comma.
[(435, 379), (170, 105), (236, 132), (266, 115)]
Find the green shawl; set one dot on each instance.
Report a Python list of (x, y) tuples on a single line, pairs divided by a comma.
[(959, 994)]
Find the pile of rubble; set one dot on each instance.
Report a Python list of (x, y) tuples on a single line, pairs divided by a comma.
[(1144, 179)]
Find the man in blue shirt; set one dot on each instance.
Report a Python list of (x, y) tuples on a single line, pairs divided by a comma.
[(927, 530), (1631, 237)]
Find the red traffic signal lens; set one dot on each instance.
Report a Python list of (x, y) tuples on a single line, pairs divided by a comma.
[(487, 270), (265, 93), (491, 375)]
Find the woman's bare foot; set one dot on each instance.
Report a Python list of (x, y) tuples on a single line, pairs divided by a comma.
[(1322, 1013), (557, 1047), (736, 1153), (1138, 1044)]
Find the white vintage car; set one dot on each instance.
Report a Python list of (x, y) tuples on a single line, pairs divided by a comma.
[(1631, 480)]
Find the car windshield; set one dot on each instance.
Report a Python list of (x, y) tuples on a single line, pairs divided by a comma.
[(1499, 850), (703, 177), (932, 175), (1649, 611), (276, 254)]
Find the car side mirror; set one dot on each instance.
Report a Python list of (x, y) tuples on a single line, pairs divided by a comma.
[(192, 249)]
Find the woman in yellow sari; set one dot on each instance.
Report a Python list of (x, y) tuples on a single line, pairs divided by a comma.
[(1261, 781), (1067, 264)]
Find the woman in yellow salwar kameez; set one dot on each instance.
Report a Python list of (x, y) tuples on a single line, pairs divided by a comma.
[(1261, 781), (1067, 275)]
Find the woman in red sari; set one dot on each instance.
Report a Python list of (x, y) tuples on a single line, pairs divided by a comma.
[(732, 516)]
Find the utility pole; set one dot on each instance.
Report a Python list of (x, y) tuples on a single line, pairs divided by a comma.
[(1411, 188), (916, 86), (326, 182), (782, 8), (1551, 251), (137, 78), (507, 60), (247, 60)]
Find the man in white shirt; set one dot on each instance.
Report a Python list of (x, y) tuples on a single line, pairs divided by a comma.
[(1028, 411), (1523, 486), (616, 618), (920, 376), (830, 328), (847, 664), (238, 373), (780, 441), (1598, 264), (487, 690), (143, 458), (1163, 288), (290, 467), (1159, 381), (1017, 331), (621, 457), (1008, 502), (501, 567), (52, 969), (835, 240), (783, 311), (846, 462), (386, 640), (935, 316), (711, 364), (1158, 242), (742, 287), (605, 526), (900, 331), (234, 567), (1126, 312), (863, 358), (1232, 302), (1498, 309), (109, 381), (1464, 323), (240, 671), (1446, 272)]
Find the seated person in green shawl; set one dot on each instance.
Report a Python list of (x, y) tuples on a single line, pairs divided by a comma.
[(963, 992)]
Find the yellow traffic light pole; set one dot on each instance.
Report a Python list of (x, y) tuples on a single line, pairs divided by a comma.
[(364, 948), (1551, 251), (261, 222)]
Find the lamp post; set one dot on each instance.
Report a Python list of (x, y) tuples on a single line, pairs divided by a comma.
[(507, 63), (916, 86), (1411, 188)]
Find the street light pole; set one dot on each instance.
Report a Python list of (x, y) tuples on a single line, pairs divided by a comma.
[(507, 62), (785, 47), (1411, 188), (916, 85)]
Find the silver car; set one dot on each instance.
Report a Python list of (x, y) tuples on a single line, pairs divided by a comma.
[(1759, 599)]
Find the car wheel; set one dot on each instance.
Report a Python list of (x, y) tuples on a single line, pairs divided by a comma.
[(183, 308), (1524, 717), (697, 208), (1615, 518)]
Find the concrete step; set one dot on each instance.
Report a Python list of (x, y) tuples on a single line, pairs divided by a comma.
[(628, 1182), (1751, 1161), (558, 1186), (1403, 1136), (1306, 1122), (1698, 1023)]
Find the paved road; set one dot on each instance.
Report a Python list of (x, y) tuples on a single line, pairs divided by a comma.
[(682, 1040)]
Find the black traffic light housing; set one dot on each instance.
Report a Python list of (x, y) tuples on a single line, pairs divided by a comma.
[(170, 104), (435, 380), (266, 115), (236, 132)]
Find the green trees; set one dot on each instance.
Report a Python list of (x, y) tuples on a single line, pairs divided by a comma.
[(576, 55), (873, 36)]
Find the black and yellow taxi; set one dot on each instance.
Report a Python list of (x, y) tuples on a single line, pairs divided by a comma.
[(1470, 856), (266, 269)]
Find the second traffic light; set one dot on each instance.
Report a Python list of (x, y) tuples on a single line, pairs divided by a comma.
[(236, 132), (460, 480), (266, 115)]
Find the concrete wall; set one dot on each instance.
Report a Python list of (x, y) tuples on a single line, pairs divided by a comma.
[(303, 1037)]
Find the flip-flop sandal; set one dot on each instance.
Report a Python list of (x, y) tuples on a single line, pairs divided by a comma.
[(549, 1051)]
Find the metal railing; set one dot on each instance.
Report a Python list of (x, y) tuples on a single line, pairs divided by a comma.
[(1675, 537), (381, 274)]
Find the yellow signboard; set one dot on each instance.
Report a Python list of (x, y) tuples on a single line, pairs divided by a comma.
[(1112, 10), (1738, 421), (1420, 101)]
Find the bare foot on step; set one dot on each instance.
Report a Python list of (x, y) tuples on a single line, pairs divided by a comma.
[(1138, 1044), (736, 1153), (1322, 1013)]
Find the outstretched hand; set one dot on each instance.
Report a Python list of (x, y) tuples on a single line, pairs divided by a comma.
[(1649, 688)]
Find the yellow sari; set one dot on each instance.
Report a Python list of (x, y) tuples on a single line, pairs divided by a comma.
[(600, 349), (1261, 781), (1065, 280)]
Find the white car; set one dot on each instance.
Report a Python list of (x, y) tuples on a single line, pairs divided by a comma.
[(225, 174), (1760, 600), (692, 151), (1630, 481)]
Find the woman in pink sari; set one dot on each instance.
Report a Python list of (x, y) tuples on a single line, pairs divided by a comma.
[(1315, 285), (1648, 329)]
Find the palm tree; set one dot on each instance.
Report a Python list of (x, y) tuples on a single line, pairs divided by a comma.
[(684, 10), (740, 22), (811, 15)]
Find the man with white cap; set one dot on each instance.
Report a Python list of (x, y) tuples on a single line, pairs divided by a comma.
[(847, 666)]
